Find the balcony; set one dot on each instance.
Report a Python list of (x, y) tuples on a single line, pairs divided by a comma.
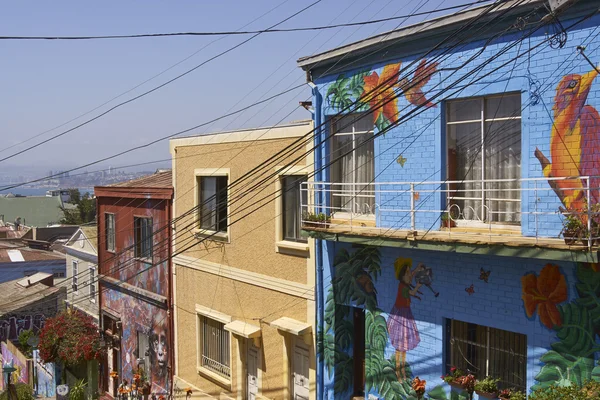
[(518, 217)]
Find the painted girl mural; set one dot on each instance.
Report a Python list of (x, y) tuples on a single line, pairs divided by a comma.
[(402, 328)]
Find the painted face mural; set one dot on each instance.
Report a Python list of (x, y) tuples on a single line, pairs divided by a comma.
[(574, 143), (160, 350)]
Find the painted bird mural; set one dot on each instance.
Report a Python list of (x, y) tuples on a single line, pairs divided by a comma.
[(574, 142), (413, 89)]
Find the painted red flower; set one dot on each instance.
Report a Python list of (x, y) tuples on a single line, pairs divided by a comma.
[(543, 293)]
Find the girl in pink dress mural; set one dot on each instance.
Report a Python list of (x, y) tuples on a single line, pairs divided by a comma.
[(402, 328)]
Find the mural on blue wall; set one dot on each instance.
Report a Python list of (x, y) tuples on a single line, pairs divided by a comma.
[(378, 93), (354, 286), (574, 143), (572, 359)]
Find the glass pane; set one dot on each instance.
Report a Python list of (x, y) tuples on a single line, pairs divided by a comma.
[(508, 105), (342, 172), (221, 195), (464, 163), (503, 162), (353, 123), (208, 202), (365, 174), (464, 110), (291, 207)]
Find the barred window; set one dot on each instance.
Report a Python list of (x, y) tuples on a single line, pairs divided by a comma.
[(486, 351), (214, 346), (143, 237)]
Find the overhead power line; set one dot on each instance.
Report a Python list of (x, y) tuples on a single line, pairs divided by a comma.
[(231, 33)]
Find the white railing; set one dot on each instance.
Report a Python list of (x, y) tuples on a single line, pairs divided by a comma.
[(527, 207)]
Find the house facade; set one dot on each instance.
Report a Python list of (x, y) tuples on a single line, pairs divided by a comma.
[(447, 178), (243, 274), (82, 271), (134, 268)]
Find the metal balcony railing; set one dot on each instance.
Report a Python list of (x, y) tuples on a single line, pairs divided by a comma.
[(531, 208)]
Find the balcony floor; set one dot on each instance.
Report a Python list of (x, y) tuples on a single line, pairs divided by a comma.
[(461, 240)]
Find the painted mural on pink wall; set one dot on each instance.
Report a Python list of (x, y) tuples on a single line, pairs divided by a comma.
[(144, 337), (8, 358)]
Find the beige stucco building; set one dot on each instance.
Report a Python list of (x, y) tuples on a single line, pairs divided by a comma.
[(243, 273)]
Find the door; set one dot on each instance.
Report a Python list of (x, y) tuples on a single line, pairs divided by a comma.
[(252, 371), (300, 373)]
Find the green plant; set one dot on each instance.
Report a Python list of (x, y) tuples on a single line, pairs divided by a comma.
[(455, 374), (589, 390), (77, 391), (320, 218), (24, 392), (517, 395), (23, 338), (487, 385)]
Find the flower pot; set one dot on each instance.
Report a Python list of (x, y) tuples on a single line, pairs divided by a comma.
[(456, 385), (486, 395)]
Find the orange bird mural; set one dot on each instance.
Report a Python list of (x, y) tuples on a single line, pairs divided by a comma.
[(574, 142), (413, 89)]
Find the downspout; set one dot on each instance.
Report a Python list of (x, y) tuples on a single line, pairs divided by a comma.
[(318, 245), (170, 307)]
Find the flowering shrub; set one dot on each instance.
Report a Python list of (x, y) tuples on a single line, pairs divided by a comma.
[(468, 383), (454, 375), (418, 386), (70, 337)]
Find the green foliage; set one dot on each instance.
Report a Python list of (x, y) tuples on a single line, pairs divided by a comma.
[(23, 345), (344, 92), (24, 392), (571, 360), (77, 391), (84, 212), (590, 390), (487, 385)]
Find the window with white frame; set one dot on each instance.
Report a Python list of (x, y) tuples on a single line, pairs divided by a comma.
[(214, 347), (353, 168), (212, 198), (75, 265), (483, 137), (291, 200), (92, 284), (143, 237), (486, 351), (110, 231)]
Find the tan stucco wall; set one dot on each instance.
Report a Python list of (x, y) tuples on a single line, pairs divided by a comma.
[(253, 235), (251, 249)]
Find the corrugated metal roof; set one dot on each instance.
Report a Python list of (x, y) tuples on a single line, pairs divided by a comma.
[(14, 297), (158, 180), (17, 252), (33, 210)]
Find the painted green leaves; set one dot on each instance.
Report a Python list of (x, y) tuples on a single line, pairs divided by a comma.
[(346, 92)]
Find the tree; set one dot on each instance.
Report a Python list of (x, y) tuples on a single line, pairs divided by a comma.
[(84, 211), (70, 337)]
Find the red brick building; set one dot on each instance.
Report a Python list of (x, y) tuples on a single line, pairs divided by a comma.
[(134, 247)]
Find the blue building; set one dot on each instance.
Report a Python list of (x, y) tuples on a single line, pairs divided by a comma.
[(458, 162)]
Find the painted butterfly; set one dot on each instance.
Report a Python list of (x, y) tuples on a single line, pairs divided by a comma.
[(484, 275), (470, 289), (416, 196), (401, 160)]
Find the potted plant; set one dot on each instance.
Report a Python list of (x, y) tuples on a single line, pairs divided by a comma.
[(454, 378), (504, 394), (468, 384), (447, 222), (573, 229), (517, 395), (313, 220), (487, 388)]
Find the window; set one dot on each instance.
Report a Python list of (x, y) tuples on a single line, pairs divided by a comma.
[(92, 284), (484, 146), (143, 237), (488, 352), (291, 207), (110, 231), (143, 351), (58, 273), (215, 348), (74, 283), (354, 172), (213, 203)]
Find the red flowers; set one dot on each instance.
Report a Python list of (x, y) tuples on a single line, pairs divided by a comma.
[(543, 293)]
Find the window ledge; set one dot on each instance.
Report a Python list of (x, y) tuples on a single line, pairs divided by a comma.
[(284, 245), (205, 233), (216, 378)]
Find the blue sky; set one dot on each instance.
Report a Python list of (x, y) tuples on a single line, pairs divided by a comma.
[(46, 83)]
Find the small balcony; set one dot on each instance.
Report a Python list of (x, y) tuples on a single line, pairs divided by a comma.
[(509, 212)]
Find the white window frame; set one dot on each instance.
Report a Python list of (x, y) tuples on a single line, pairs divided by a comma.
[(483, 120), (92, 284), (343, 214), (207, 313), (282, 245), (199, 173), (74, 278), (108, 215)]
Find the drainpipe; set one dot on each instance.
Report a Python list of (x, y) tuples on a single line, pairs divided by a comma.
[(318, 245)]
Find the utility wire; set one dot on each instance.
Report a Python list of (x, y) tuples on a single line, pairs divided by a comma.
[(232, 33)]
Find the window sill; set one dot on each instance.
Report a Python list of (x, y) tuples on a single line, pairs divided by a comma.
[(285, 246), (213, 235), (216, 378)]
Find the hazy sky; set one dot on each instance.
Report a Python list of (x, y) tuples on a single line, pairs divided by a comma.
[(46, 83)]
